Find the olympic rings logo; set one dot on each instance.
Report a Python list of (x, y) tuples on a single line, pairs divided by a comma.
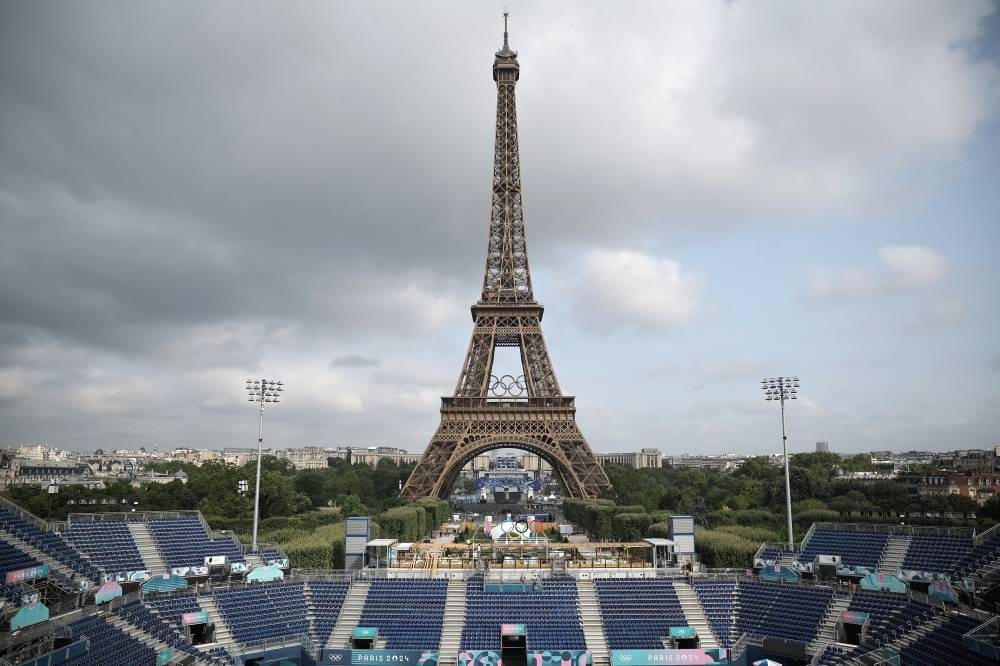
[(522, 529)]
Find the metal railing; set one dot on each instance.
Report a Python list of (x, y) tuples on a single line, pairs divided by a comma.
[(303, 640), (982, 536), (741, 644), (23, 513), (986, 634), (138, 516), (555, 402), (907, 530), (809, 534), (780, 546), (247, 548)]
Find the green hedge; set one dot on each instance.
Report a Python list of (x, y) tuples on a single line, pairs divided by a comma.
[(724, 548)]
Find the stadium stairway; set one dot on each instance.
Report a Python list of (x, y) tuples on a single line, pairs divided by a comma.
[(590, 621), (44, 558), (452, 623), (147, 548), (694, 613), (350, 613), (223, 636), (144, 637), (310, 605), (827, 633), (919, 632), (895, 553)]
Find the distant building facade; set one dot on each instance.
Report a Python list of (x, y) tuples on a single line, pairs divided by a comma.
[(643, 459)]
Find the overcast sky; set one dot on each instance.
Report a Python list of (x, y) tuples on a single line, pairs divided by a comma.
[(194, 193)]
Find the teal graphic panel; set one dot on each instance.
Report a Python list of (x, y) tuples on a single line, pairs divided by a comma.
[(854, 617), (337, 657), (877, 581), (700, 656), (265, 574), (164, 583), (32, 612)]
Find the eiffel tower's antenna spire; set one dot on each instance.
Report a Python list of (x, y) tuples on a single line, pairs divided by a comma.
[(507, 278)]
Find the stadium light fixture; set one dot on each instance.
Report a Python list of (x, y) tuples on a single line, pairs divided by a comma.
[(261, 391), (782, 389)]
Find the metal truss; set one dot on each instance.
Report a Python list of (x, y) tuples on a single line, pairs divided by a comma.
[(528, 412)]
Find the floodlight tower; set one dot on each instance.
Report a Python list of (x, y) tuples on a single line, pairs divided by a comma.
[(781, 389), (261, 391)]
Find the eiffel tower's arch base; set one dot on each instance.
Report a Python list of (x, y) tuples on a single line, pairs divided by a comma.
[(560, 444)]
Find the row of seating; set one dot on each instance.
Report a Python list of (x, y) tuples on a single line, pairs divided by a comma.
[(718, 599), (936, 552), (939, 553), (48, 542), (261, 613), (184, 542), (623, 601), (12, 559), (408, 613), (108, 544), (854, 548), (551, 614), (325, 598), (109, 645), (788, 612), (944, 646)]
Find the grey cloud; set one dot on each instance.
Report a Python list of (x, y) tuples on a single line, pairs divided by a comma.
[(354, 361), (192, 191)]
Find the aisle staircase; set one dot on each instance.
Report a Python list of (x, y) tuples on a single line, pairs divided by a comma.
[(827, 633), (147, 548), (151, 641), (694, 613), (452, 623), (895, 553), (223, 636), (310, 605), (919, 632), (350, 614), (590, 621)]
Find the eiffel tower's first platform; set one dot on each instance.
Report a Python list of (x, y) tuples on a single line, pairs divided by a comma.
[(529, 411)]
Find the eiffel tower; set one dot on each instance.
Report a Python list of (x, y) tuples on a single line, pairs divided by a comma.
[(529, 411)]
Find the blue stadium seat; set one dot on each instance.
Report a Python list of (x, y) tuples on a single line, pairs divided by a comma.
[(638, 613), (185, 543), (551, 614)]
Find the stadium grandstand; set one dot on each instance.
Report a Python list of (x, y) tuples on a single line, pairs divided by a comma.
[(149, 589)]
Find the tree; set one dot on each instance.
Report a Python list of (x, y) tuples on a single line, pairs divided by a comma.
[(350, 505)]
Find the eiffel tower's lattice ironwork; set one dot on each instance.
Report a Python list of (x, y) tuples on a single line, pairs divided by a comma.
[(487, 412)]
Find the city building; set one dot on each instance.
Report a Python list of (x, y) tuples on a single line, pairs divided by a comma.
[(309, 457), (643, 459), (725, 463)]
